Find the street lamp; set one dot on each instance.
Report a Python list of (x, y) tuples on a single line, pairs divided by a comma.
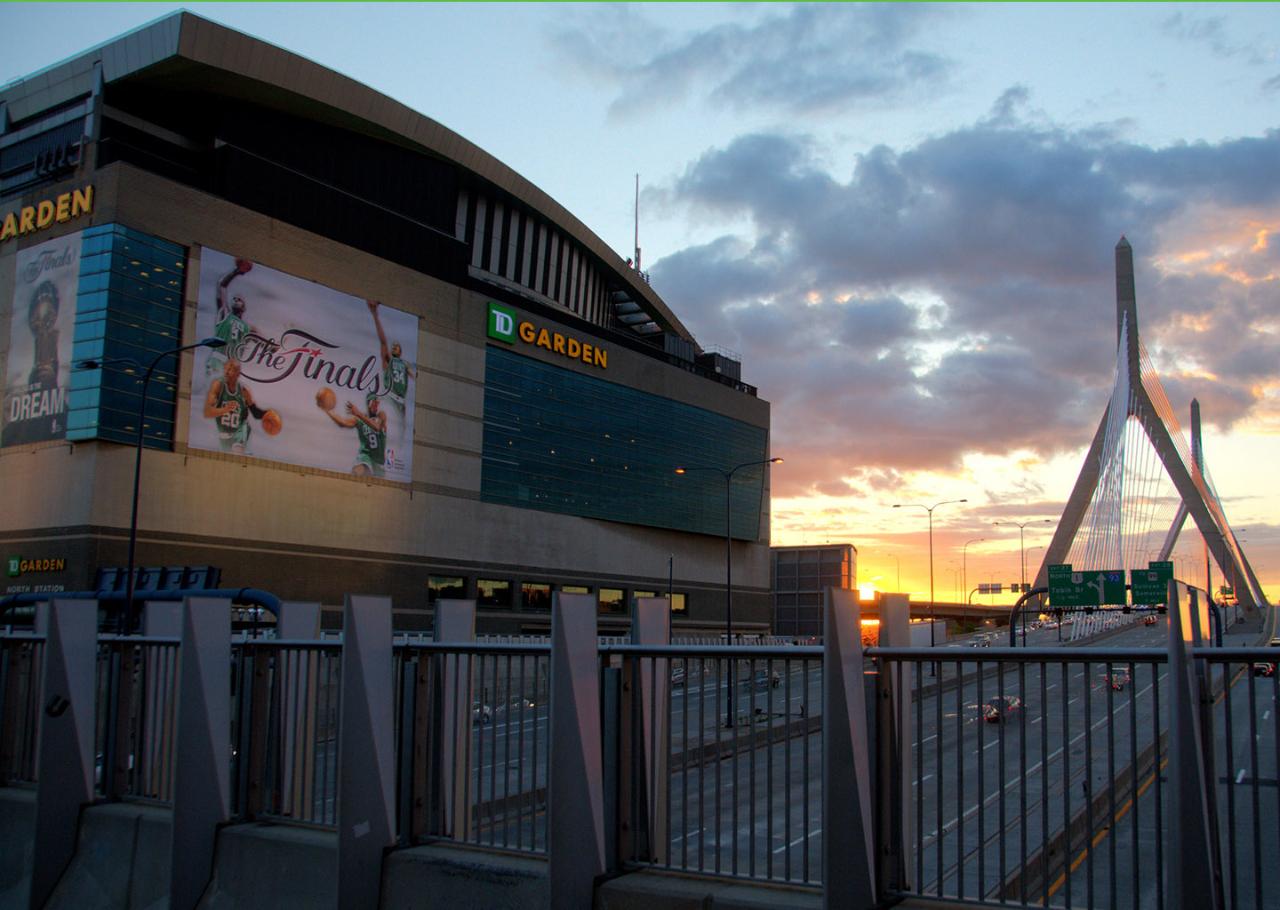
[(929, 509), (728, 550), (1021, 526), (964, 562), (137, 465)]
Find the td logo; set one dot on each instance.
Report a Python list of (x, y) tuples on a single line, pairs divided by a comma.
[(14, 566), (502, 323)]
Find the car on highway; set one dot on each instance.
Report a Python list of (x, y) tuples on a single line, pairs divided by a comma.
[(1264, 668), (677, 676), (1149, 621), (1001, 708), (1117, 679), (481, 714)]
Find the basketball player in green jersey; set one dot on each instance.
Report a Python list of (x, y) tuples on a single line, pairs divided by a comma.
[(229, 404), (396, 373), (371, 429), (231, 326)]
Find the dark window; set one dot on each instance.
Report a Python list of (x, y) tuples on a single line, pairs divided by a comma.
[(493, 593), (535, 596), (611, 600), (446, 587)]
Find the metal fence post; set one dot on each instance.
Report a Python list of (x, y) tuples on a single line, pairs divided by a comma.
[(1192, 879), (455, 623), (848, 852), (575, 789), (642, 805), (201, 759), (366, 750), (895, 765), (65, 761)]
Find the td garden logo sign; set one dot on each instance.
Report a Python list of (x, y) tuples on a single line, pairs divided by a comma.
[(507, 327)]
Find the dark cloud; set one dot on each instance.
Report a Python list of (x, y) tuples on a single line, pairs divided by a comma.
[(809, 58), (958, 296)]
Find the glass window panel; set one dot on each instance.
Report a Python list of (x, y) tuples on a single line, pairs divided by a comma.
[(493, 593), (611, 600), (679, 603), (446, 587), (535, 596), (575, 589)]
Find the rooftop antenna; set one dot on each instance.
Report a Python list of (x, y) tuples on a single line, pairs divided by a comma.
[(637, 226)]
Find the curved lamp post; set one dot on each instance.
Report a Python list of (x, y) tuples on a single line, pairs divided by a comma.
[(964, 562), (929, 509), (728, 549), (130, 614)]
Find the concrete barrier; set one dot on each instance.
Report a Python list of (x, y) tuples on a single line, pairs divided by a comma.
[(273, 867), (121, 859)]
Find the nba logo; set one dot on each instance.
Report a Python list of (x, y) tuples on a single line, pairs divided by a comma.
[(502, 323)]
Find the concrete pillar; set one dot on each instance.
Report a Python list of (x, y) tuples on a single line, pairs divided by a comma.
[(848, 847), (366, 750), (65, 760), (895, 735), (201, 755), (455, 623), (1191, 878), (575, 784)]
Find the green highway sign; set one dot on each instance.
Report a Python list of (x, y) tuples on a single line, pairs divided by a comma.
[(1151, 585), (1087, 588)]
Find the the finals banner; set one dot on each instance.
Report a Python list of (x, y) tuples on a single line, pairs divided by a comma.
[(309, 375)]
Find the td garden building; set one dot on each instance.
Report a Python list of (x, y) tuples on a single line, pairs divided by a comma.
[(436, 381)]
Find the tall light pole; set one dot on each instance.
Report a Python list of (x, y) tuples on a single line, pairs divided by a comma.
[(964, 561), (1022, 526), (929, 509), (130, 612), (728, 551)]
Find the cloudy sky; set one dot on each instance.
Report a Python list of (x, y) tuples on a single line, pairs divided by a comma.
[(902, 216)]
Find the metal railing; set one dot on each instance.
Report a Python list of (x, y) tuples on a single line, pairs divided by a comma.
[(733, 759), (136, 717), (1024, 776), (21, 661)]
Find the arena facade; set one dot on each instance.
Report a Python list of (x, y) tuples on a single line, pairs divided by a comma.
[(436, 381)]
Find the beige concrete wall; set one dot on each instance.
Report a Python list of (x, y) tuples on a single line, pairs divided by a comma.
[(280, 526)]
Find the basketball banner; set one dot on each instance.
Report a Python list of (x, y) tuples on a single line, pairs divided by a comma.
[(40, 334), (309, 375)]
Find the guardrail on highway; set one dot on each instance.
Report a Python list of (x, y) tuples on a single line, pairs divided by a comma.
[(1038, 776)]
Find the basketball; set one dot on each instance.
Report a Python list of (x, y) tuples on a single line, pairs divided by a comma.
[(325, 399), (271, 423)]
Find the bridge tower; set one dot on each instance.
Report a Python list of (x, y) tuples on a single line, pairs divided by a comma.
[(1099, 489)]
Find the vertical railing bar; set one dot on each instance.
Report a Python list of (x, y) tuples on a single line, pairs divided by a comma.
[(786, 760), (520, 791), (684, 764), (719, 762), (1111, 784), (1088, 779), (660, 748), (1066, 778), (1044, 782), (494, 659), (960, 784), (751, 772), (506, 752), (1022, 778), (804, 834), (1275, 742), (938, 765), (1001, 739), (1156, 725), (1230, 780), (1253, 786), (1134, 784), (768, 817), (735, 699), (702, 762), (918, 677)]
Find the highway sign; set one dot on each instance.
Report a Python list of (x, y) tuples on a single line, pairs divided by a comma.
[(1151, 585), (1087, 588), (990, 588)]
